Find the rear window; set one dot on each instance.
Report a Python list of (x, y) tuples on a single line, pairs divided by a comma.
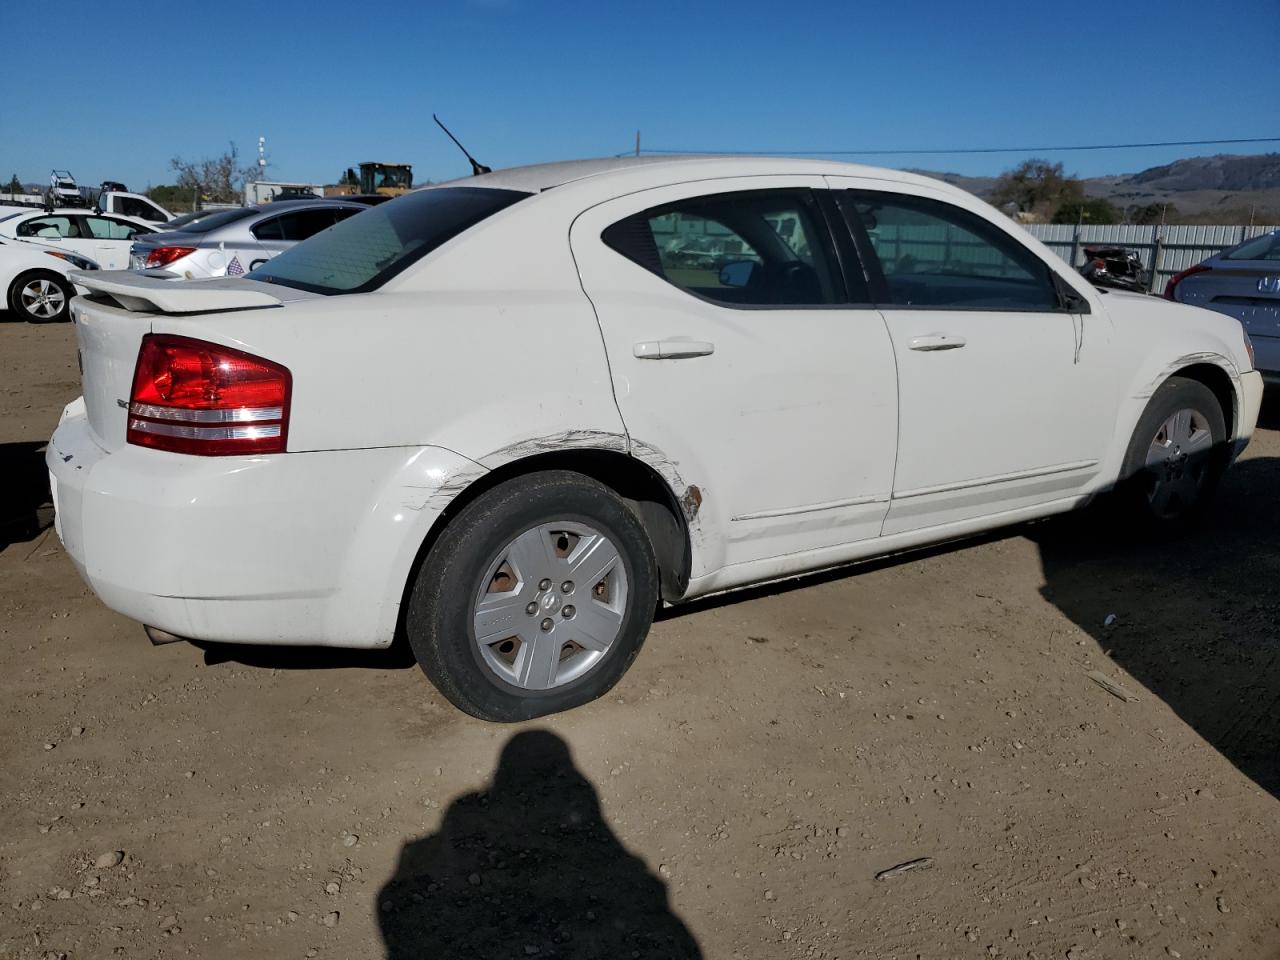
[(365, 251), (216, 220), (1265, 247)]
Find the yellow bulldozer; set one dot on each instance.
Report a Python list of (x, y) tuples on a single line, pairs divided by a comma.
[(384, 179)]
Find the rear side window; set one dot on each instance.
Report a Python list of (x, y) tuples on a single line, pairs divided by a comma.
[(754, 248), (105, 228), (363, 252), (933, 254), (300, 224)]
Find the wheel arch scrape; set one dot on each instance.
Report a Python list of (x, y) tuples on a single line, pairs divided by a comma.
[(1214, 369), (649, 481)]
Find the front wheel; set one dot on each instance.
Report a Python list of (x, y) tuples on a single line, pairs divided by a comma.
[(1176, 457), (536, 598), (40, 296)]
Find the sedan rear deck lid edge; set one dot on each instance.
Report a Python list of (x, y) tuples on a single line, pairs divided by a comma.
[(143, 294)]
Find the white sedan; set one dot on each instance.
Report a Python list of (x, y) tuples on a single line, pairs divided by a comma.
[(508, 416), (103, 238), (33, 279)]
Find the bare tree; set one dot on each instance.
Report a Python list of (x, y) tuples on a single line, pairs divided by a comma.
[(217, 180)]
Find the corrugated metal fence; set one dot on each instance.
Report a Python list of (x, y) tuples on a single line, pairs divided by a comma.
[(1170, 248)]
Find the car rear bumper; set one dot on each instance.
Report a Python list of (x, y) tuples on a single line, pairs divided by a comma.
[(299, 548)]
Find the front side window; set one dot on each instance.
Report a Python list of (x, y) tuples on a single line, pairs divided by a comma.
[(754, 248), (933, 254), (65, 227), (363, 252)]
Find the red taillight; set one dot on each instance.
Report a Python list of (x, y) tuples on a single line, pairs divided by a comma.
[(190, 396), (1177, 278), (161, 256)]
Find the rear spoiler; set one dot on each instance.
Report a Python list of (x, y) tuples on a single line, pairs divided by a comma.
[(143, 294)]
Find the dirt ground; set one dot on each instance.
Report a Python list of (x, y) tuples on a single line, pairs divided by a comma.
[(735, 797)]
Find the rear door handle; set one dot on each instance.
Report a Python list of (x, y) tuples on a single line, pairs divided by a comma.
[(671, 349), (936, 341)]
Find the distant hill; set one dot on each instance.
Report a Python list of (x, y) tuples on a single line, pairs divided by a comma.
[(1225, 188), (1223, 172)]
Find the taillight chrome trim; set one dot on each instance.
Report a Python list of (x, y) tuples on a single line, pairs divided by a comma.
[(238, 415), (189, 432)]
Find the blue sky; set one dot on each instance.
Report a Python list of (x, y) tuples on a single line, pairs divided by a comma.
[(329, 84)]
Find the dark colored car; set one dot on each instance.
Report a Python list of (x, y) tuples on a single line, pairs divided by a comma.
[(1242, 282)]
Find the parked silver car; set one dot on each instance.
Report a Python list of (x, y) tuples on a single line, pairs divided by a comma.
[(233, 242), (1242, 282)]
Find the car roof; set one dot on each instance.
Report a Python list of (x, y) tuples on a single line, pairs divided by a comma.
[(544, 176)]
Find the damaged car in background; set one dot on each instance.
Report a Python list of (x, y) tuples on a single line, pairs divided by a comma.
[(507, 417)]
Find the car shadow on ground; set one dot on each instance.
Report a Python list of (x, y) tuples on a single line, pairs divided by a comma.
[(1195, 617), (26, 507), (398, 656), (525, 868)]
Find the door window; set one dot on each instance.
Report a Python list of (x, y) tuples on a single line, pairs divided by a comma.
[(65, 227), (754, 248), (134, 207), (300, 224), (105, 228), (933, 254)]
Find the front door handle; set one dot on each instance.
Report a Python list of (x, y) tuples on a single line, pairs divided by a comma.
[(671, 349), (936, 341)]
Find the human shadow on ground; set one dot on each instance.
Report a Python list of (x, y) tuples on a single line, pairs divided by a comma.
[(26, 506), (528, 868), (1197, 617)]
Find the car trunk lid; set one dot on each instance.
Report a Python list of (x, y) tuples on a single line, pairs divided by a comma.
[(1246, 290), (119, 311)]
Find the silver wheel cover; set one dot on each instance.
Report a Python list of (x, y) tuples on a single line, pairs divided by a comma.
[(549, 606)]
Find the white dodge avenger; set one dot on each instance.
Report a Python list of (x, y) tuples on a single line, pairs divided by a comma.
[(509, 416)]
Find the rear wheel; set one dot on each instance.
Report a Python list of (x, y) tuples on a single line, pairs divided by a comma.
[(40, 296), (1176, 457), (536, 598)]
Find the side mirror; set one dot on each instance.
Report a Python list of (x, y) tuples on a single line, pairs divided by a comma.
[(738, 273), (1068, 298)]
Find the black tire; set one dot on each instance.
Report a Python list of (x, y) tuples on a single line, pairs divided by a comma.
[(23, 279), (1198, 474), (439, 618)]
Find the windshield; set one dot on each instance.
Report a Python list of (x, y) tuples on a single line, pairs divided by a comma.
[(1265, 247), (363, 252), (220, 219)]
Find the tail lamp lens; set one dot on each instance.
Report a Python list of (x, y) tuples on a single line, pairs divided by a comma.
[(1177, 278), (190, 396), (162, 256)]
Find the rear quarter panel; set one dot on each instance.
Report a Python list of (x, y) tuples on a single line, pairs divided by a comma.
[(485, 344)]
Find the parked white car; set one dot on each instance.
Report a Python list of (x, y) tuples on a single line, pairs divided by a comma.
[(105, 238), (509, 420), (34, 280)]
